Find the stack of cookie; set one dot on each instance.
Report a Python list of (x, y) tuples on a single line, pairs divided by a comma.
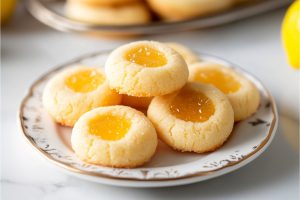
[(126, 12), (108, 12), (189, 104)]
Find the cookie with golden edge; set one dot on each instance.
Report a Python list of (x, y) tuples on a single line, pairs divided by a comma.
[(180, 10), (136, 102), (106, 2), (189, 56), (76, 90), (135, 13), (115, 136), (242, 93), (146, 69), (198, 118)]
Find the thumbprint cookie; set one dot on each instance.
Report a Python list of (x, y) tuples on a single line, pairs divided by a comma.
[(76, 90), (198, 118), (115, 136), (146, 69), (242, 93)]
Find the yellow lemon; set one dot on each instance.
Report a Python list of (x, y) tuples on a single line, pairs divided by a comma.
[(7, 8), (291, 34)]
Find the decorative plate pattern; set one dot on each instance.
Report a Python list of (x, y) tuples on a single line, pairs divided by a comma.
[(249, 138)]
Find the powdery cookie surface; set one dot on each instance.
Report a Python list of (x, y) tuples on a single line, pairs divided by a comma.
[(188, 55), (243, 95), (135, 13), (145, 69), (180, 10), (133, 149), (66, 105), (193, 134)]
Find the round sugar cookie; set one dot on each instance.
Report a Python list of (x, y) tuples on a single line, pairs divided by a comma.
[(188, 55), (180, 10), (135, 13), (198, 118), (76, 90), (242, 93), (115, 136), (146, 69), (106, 2)]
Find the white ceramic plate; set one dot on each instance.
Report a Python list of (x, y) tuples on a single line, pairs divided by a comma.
[(167, 168)]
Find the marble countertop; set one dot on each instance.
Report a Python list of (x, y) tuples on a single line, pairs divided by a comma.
[(29, 49)]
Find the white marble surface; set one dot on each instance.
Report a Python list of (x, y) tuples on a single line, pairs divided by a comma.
[(30, 48)]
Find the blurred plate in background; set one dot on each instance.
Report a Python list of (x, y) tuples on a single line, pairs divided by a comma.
[(50, 12)]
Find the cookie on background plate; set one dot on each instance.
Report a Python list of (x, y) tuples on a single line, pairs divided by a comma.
[(179, 10), (129, 14)]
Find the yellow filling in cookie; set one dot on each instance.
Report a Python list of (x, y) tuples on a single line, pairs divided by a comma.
[(146, 56), (76, 90), (85, 80), (191, 105), (242, 93), (224, 82), (115, 136), (145, 69), (198, 118), (109, 127)]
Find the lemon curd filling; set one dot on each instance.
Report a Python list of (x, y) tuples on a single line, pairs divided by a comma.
[(224, 82), (191, 105), (85, 80), (109, 127), (146, 56)]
